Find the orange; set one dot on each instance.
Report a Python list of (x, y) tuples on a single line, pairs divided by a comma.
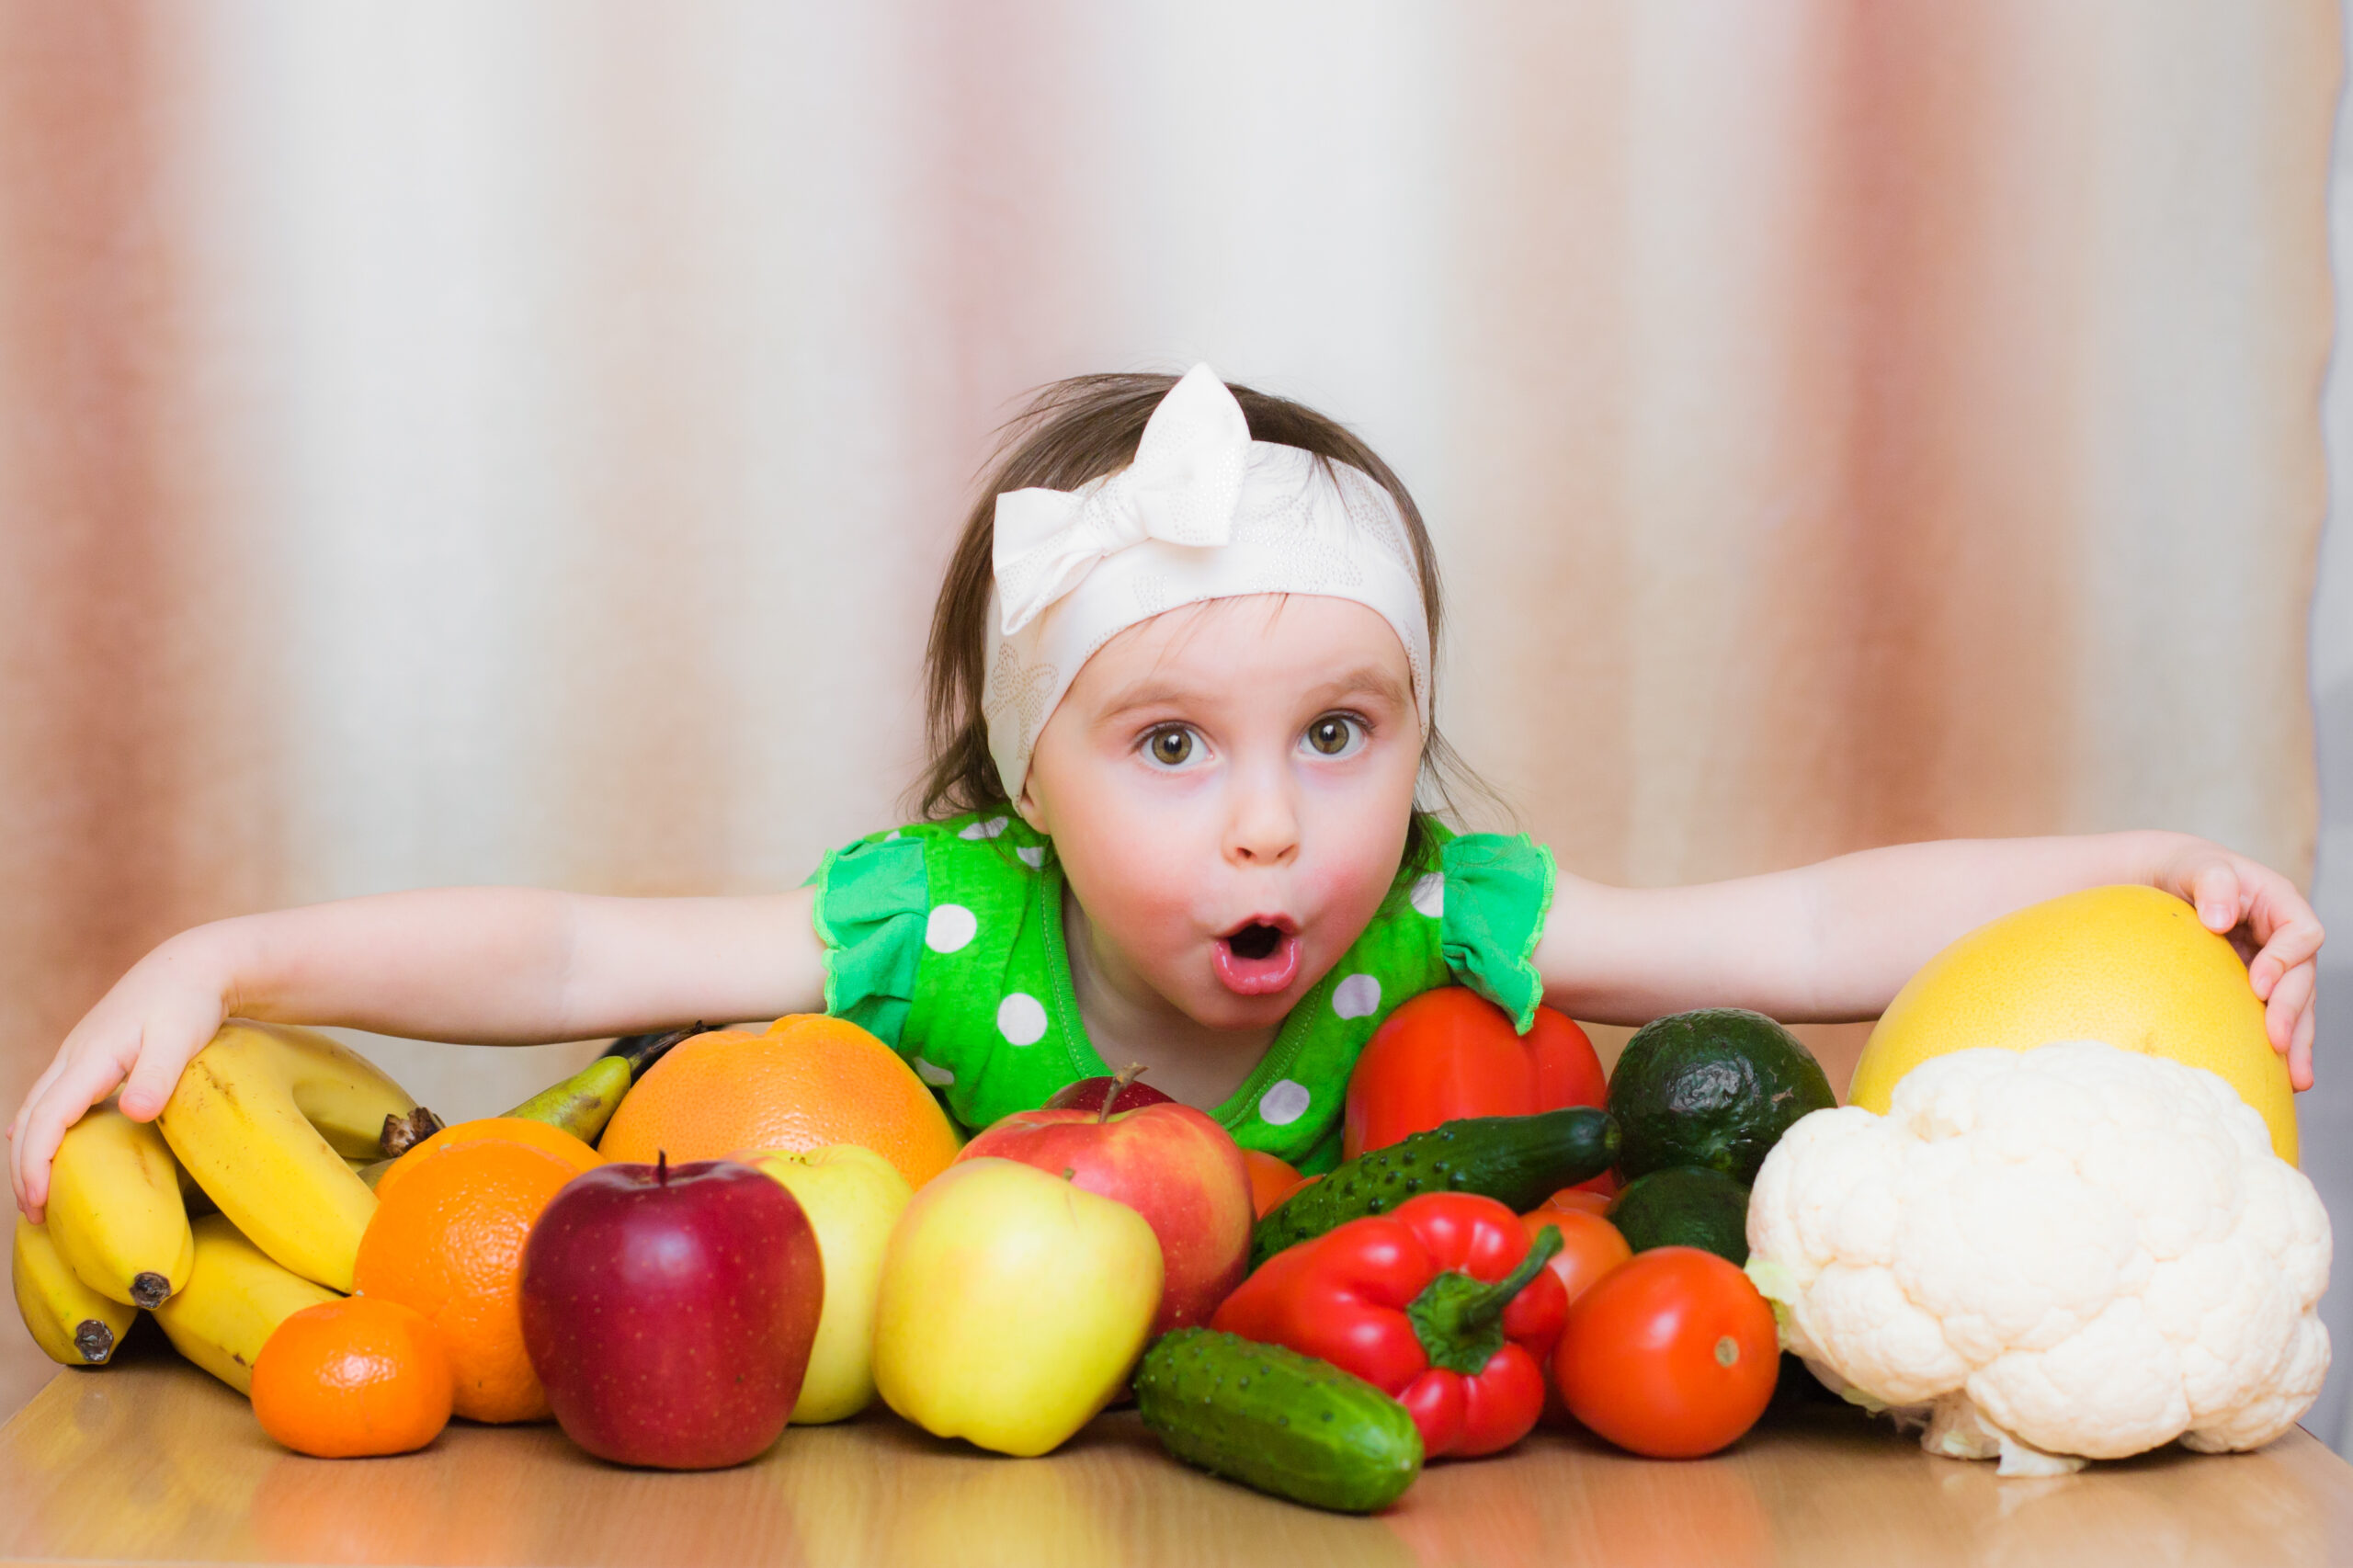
[(512, 1128), (449, 1242), (808, 1081), (352, 1377)]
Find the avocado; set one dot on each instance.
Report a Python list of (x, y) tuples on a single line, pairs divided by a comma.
[(1716, 1087), (1686, 1206)]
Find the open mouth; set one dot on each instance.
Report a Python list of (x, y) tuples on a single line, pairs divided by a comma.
[(1258, 958)]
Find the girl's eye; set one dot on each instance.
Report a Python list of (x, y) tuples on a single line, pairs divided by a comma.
[(1334, 734), (1170, 748)]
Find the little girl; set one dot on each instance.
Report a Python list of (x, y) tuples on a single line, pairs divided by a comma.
[(1181, 681)]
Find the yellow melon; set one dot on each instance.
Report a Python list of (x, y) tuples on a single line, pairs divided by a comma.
[(2128, 965)]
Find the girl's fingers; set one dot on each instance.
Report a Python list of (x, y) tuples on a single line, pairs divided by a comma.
[(152, 1078), (2299, 1053), (2290, 1000), (2215, 892), (2292, 935), (81, 1084)]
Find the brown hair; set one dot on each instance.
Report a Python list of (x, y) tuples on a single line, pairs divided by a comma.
[(1071, 432)]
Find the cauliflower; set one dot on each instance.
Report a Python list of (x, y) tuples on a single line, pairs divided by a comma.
[(2073, 1251)]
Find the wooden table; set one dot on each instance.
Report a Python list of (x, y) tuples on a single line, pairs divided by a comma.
[(154, 1462)]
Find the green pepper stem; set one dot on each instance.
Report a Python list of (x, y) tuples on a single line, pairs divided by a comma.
[(1542, 1250), (1458, 1318)]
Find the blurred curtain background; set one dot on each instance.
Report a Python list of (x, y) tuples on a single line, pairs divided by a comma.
[(447, 443)]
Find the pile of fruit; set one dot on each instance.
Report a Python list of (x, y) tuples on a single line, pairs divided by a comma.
[(705, 1236)]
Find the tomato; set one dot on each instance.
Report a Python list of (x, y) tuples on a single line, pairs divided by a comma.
[(1673, 1354), (1450, 1052), (1271, 1179), (1578, 1201), (1590, 1245)]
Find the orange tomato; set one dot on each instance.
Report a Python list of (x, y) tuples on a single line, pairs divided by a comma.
[(1271, 1179), (1577, 1199), (1590, 1246)]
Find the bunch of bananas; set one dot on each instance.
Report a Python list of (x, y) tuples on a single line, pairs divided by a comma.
[(246, 1199)]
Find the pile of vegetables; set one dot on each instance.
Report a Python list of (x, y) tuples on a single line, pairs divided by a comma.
[(2040, 1256)]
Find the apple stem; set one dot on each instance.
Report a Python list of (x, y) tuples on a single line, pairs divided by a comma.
[(1128, 1074), (661, 1168)]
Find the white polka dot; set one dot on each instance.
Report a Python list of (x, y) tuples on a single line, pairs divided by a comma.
[(951, 926), (1032, 856), (1429, 894), (939, 1077), (1022, 1019), (894, 833), (988, 829), (1358, 996), (1283, 1102)]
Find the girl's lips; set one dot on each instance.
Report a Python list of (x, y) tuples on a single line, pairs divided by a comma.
[(1258, 976)]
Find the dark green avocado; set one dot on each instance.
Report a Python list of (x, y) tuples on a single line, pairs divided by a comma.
[(1716, 1087)]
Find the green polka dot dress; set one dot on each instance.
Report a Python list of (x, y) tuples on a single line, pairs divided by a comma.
[(944, 940)]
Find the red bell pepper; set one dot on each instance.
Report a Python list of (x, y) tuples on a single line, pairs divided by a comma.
[(1442, 1303), (1450, 1052)]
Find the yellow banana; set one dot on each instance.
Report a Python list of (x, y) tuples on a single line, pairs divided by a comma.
[(265, 1119), (73, 1323), (231, 1303), (114, 1211)]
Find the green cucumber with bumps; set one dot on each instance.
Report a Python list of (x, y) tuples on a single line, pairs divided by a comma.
[(1519, 1160), (1277, 1421)]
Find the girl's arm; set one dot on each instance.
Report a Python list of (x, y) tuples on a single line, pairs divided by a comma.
[(505, 966), (1835, 940)]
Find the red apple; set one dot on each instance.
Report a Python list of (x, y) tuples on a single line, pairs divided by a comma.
[(670, 1310), (1169, 1162), (1126, 1092)]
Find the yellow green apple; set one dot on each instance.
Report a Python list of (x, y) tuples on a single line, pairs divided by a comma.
[(853, 1197), (1013, 1305)]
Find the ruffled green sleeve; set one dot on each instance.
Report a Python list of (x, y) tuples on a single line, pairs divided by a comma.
[(1498, 892), (873, 898)]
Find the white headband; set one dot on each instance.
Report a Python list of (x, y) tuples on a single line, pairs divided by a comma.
[(1203, 512)]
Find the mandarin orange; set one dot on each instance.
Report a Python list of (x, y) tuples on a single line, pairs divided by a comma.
[(449, 1242), (510, 1128), (353, 1376), (807, 1081)]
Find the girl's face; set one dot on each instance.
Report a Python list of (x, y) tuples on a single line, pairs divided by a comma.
[(1228, 786)]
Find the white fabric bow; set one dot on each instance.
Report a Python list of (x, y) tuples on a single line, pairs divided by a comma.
[(1180, 489)]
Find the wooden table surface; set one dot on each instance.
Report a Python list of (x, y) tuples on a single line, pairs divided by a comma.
[(154, 1462)]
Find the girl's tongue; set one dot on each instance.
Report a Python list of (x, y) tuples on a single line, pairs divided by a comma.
[(1258, 960)]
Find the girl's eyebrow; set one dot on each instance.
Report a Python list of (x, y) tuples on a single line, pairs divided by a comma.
[(1158, 689)]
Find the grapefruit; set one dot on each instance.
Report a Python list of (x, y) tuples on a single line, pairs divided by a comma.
[(2129, 965), (808, 1081)]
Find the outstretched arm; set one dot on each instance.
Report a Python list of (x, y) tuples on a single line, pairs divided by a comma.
[(505, 966), (1835, 940)]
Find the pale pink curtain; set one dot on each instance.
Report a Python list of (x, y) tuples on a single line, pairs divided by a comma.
[(447, 442)]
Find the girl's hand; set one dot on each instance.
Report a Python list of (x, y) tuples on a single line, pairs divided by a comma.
[(2270, 925), (140, 1036)]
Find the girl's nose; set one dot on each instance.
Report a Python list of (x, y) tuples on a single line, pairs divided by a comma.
[(1264, 827)]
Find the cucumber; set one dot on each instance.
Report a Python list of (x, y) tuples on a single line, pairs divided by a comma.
[(1284, 1423), (1522, 1160)]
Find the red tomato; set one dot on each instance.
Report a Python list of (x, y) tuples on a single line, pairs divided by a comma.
[(1450, 1052), (1673, 1354), (1271, 1179)]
